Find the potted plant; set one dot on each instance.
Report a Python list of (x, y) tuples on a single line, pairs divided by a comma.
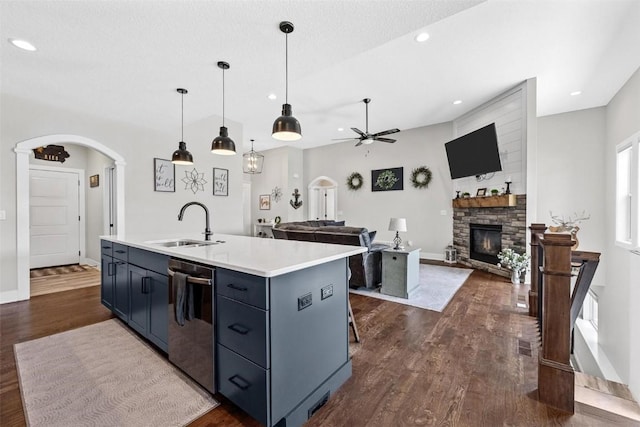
[(515, 262), (494, 192), (466, 194)]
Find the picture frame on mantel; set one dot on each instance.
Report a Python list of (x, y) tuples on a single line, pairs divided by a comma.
[(164, 176), (220, 182)]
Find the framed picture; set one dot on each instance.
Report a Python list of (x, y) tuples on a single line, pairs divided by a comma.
[(220, 182), (164, 175), (94, 180), (265, 202), (481, 192), (389, 179)]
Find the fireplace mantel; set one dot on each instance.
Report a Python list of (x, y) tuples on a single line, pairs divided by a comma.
[(501, 201)]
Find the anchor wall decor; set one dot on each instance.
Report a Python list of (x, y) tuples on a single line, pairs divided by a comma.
[(296, 203)]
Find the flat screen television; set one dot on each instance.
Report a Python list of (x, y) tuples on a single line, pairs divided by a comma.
[(475, 153)]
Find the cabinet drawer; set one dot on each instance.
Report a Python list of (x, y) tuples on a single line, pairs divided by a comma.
[(246, 288), (243, 329), (149, 260), (244, 383), (120, 251), (106, 247)]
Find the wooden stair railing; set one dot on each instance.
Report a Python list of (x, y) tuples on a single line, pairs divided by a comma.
[(588, 263), (557, 307), (556, 385)]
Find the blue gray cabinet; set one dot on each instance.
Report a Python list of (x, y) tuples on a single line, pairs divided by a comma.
[(115, 285), (149, 293), (282, 342)]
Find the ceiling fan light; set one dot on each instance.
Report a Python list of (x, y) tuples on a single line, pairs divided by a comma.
[(181, 156), (367, 141), (222, 144), (286, 127)]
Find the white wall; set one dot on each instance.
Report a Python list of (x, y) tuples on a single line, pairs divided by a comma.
[(94, 202), (619, 304), (570, 178), (146, 211), (427, 228)]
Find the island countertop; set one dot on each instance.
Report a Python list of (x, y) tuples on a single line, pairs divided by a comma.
[(252, 255)]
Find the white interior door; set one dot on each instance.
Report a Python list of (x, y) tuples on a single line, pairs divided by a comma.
[(54, 218)]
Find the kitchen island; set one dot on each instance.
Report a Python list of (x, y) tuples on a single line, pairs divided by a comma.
[(279, 310)]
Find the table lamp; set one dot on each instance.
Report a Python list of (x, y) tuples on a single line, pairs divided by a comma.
[(397, 225)]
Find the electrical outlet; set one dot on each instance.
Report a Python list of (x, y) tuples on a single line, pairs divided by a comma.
[(304, 301), (326, 292)]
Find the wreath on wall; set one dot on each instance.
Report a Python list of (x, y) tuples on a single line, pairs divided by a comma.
[(420, 177), (355, 181)]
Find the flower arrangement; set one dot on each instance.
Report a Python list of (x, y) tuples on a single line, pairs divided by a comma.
[(386, 180), (513, 261)]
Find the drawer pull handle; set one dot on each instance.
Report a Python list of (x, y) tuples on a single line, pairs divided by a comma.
[(240, 382), (120, 251), (106, 247), (110, 269), (144, 285), (237, 288), (240, 329)]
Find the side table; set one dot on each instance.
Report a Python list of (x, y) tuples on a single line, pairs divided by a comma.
[(400, 271)]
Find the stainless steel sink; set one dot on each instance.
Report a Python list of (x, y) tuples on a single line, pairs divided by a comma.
[(183, 243)]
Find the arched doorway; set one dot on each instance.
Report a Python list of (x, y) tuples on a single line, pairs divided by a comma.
[(323, 198), (23, 150)]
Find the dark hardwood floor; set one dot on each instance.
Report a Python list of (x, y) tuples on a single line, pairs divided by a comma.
[(475, 364)]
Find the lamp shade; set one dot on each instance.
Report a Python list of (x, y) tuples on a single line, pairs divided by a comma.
[(286, 127), (181, 156), (223, 144), (398, 224)]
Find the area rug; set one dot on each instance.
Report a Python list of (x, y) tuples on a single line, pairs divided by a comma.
[(104, 375), (61, 269), (436, 286)]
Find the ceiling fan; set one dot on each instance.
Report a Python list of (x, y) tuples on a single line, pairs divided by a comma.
[(366, 137)]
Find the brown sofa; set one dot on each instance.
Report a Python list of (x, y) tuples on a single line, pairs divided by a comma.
[(366, 268)]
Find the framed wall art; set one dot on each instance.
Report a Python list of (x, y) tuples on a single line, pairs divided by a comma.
[(220, 182), (164, 175), (94, 180), (389, 179), (265, 202)]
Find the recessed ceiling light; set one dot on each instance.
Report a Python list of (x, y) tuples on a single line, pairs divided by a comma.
[(457, 102), (340, 129), (272, 96), (422, 37), (22, 44), (575, 93)]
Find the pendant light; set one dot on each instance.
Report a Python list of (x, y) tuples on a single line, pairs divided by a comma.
[(286, 127), (223, 144), (252, 161), (181, 156)]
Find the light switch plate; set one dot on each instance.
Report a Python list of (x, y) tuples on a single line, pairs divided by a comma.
[(3, 215)]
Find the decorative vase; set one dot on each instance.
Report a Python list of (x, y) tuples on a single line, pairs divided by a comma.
[(515, 277)]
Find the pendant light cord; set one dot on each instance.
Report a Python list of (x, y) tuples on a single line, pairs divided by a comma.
[(223, 97), (182, 118), (286, 67)]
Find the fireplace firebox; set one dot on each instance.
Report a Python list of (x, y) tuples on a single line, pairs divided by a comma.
[(485, 242)]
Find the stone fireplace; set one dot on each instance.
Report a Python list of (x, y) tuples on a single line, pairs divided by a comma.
[(481, 229)]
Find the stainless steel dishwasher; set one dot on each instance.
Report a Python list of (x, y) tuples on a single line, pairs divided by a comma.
[(191, 321)]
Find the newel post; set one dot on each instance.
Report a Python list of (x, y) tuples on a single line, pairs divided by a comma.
[(555, 373), (536, 262)]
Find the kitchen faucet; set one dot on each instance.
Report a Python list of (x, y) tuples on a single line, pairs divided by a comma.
[(207, 230)]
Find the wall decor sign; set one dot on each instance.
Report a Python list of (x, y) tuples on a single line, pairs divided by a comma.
[(389, 179), (194, 180), (265, 202), (220, 182), (53, 153), (94, 180), (164, 175)]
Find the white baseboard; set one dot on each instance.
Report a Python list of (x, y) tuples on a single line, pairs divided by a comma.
[(90, 262), (8, 296)]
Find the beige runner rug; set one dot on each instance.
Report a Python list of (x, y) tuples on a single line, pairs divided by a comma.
[(104, 375)]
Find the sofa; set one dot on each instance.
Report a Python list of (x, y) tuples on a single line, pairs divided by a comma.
[(366, 268)]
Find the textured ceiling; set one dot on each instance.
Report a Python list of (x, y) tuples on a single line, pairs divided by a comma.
[(123, 60)]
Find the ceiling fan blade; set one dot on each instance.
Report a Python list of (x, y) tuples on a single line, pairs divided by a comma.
[(355, 138), (359, 132), (385, 140), (359, 143), (386, 132)]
